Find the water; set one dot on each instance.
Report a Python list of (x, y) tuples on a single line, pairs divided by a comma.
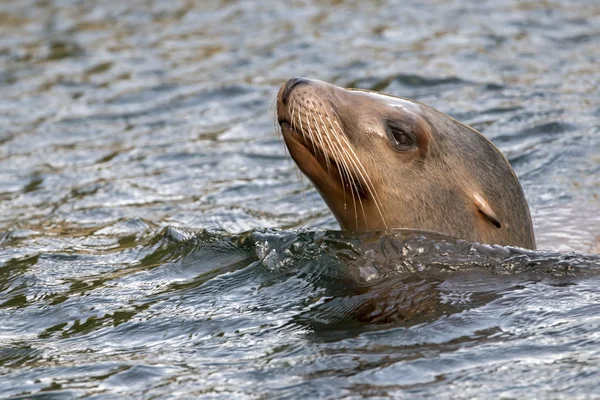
[(155, 241)]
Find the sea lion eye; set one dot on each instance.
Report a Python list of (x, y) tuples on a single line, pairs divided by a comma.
[(399, 138)]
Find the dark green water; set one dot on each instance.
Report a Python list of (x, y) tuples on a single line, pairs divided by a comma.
[(150, 220)]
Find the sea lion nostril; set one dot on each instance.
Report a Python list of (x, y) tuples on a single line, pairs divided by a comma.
[(291, 84)]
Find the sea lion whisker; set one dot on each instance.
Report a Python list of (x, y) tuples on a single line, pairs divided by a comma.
[(326, 136), (355, 186), (328, 140), (360, 199), (273, 103), (344, 165), (340, 163), (276, 125), (355, 157), (278, 133), (301, 131), (297, 119), (310, 134), (297, 171), (320, 137), (351, 183), (364, 177), (352, 180), (293, 108), (349, 178), (370, 187), (323, 147), (273, 108)]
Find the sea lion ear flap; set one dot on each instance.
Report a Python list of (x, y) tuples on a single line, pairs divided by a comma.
[(486, 210)]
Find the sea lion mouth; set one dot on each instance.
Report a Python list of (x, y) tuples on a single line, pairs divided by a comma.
[(313, 153)]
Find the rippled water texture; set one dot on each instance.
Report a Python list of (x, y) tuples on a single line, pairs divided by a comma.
[(150, 240)]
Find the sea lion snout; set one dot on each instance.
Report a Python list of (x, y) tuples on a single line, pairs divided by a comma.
[(290, 85)]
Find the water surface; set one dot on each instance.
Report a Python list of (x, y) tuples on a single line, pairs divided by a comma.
[(156, 241)]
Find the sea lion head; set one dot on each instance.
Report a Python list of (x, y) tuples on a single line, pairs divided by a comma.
[(382, 162)]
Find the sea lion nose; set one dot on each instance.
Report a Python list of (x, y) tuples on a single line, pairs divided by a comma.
[(290, 85)]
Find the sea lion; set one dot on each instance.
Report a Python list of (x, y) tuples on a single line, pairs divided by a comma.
[(382, 162)]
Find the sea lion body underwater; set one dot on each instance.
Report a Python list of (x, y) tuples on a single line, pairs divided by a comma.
[(383, 162)]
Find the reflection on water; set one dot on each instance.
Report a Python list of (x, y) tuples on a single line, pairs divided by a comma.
[(127, 129)]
